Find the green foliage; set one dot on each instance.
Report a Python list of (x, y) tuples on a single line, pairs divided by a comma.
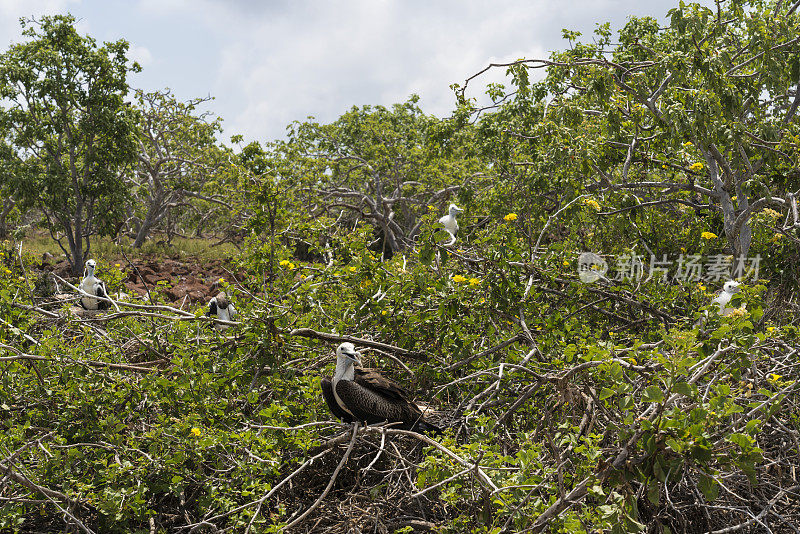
[(619, 406), (65, 116), (179, 165)]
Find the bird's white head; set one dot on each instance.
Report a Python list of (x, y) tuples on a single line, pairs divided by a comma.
[(346, 352), (731, 286), (455, 210), (89, 268)]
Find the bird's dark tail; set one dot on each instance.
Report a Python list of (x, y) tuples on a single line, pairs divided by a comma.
[(427, 428)]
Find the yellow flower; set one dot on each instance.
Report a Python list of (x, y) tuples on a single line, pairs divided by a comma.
[(474, 282), (770, 328), (431, 208), (696, 166), (366, 283), (769, 212), (221, 280), (8, 271), (459, 279), (700, 286), (708, 235), (774, 378), (683, 249), (566, 263), (777, 237), (482, 301), (195, 432), (510, 217), (664, 167), (117, 265), (688, 144), (384, 312), (738, 312), (353, 269), (592, 203)]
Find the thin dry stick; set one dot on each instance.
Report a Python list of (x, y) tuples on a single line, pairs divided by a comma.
[(271, 492), (482, 476), (550, 219), (308, 332), (335, 474), (443, 482), (50, 494), (83, 293), (25, 356)]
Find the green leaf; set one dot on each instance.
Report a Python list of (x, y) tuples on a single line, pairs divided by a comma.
[(653, 394), (675, 445), (683, 388), (606, 393), (742, 440), (709, 487), (426, 255), (653, 491)]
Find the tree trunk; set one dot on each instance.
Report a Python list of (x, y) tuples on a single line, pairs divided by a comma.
[(76, 252), (144, 231), (8, 205), (155, 212)]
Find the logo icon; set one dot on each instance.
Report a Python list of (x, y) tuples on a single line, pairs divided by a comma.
[(591, 267)]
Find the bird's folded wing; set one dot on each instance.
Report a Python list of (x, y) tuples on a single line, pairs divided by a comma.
[(370, 406), (373, 380)]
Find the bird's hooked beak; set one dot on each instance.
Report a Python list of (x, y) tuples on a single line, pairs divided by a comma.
[(354, 356)]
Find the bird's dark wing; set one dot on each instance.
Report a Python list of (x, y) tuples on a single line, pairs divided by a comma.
[(100, 291), (373, 380), (330, 400), (372, 406), (212, 308)]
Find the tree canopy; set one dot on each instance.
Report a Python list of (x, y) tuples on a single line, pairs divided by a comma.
[(569, 341), (67, 119)]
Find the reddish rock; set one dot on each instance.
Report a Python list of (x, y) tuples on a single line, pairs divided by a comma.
[(194, 291), (137, 288)]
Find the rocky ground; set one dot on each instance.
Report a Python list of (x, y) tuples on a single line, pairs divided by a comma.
[(183, 282)]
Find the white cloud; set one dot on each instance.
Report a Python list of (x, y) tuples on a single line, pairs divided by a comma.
[(141, 55), (268, 63), (12, 10), (322, 61)]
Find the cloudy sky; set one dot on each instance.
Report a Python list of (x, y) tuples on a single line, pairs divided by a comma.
[(267, 63)]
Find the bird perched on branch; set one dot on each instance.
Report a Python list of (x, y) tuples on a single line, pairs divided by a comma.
[(221, 308), (358, 394), (450, 223), (92, 286), (730, 288)]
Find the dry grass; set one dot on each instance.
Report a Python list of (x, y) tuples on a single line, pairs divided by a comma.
[(105, 249)]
